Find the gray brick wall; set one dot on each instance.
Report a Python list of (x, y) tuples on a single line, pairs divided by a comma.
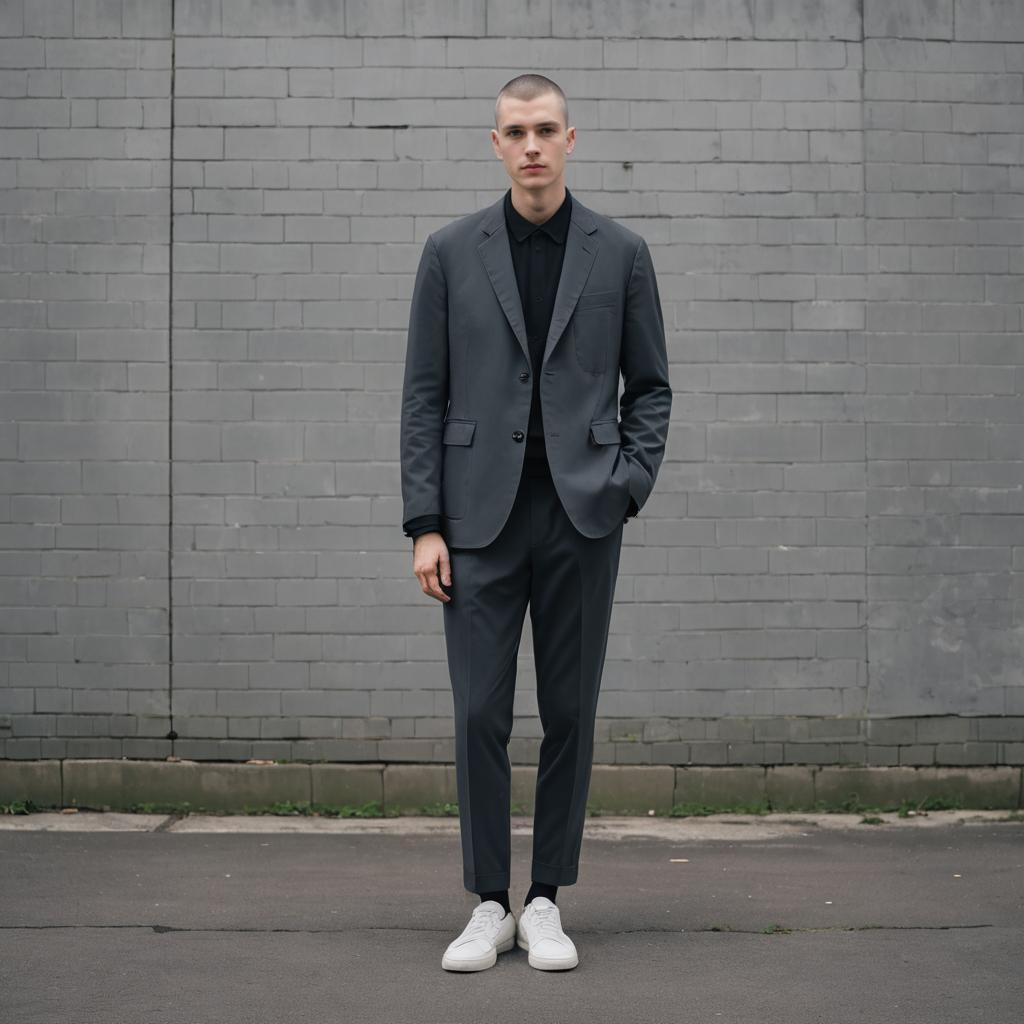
[(199, 488), (84, 405)]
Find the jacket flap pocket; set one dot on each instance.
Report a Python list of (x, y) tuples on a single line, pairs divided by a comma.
[(458, 431), (605, 432), (597, 299)]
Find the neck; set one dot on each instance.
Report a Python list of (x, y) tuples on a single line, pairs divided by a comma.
[(537, 205)]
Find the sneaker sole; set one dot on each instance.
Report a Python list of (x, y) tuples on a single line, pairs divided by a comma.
[(547, 964), (480, 964)]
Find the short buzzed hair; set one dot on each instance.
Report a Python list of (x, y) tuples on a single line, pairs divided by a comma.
[(528, 87)]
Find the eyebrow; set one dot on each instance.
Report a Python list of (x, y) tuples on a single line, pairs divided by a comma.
[(542, 124)]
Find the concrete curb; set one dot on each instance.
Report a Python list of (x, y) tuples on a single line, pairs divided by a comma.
[(609, 828), (101, 784)]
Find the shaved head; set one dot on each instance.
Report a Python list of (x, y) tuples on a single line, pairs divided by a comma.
[(528, 87)]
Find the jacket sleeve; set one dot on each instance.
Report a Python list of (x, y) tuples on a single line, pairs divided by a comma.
[(420, 525), (646, 402), (425, 388)]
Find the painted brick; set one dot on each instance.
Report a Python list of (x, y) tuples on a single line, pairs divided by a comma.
[(836, 221)]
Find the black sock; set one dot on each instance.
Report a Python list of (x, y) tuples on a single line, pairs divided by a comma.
[(499, 897), (541, 889)]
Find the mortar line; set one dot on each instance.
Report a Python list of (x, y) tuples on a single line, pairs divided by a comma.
[(171, 734), (862, 75)]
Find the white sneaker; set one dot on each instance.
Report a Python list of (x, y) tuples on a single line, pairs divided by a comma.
[(490, 931), (539, 931)]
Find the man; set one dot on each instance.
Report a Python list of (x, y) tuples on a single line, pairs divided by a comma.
[(517, 478)]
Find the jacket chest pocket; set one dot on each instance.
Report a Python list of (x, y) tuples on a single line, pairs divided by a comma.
[(592, 329), (457, 449)]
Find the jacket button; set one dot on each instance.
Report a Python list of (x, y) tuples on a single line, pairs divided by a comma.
[(517, 435), (524, 376)]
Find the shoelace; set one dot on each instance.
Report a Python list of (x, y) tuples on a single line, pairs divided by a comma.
[(483, 919), (547, 922)]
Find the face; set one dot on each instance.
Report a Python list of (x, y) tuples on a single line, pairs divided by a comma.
[(532, 132)]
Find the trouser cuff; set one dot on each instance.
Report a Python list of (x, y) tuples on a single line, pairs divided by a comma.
[(493, 882), (553, 874)]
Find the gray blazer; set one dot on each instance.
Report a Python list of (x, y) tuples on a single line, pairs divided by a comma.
[(467, 388)]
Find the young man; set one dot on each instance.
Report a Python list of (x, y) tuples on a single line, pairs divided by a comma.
[(517, 477)]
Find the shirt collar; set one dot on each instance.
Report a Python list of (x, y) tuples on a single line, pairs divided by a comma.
[(556, 226)]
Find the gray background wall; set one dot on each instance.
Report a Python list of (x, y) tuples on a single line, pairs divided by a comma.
[(200, 525)]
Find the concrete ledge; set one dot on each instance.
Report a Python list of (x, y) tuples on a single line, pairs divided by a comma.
[(712, 786), (409, 786), (342, 785), (119, 785), (631, 789), (418, 788), (979, 788), (38, 781), (790, 787)]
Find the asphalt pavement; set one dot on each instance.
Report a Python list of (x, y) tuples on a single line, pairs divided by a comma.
[(796, 918)]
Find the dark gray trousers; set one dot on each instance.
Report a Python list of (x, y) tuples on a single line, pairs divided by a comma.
[(568, 580)]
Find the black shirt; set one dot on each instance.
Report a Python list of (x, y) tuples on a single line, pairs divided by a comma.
[(538, 251)]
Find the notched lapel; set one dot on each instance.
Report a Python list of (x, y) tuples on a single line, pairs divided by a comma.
[(497, 259), (580, 251)]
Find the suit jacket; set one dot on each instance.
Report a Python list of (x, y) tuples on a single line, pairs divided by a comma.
[(467, 390)]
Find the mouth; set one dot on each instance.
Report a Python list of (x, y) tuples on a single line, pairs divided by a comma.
[(534, 167)]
